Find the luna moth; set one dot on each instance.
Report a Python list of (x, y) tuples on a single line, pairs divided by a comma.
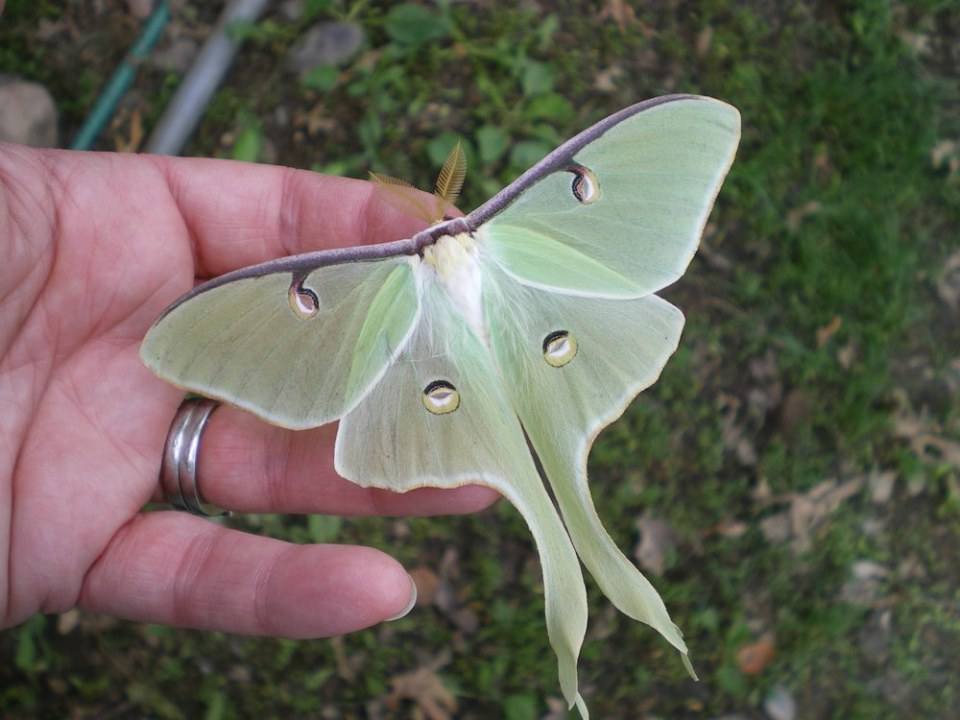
[(490, 348)]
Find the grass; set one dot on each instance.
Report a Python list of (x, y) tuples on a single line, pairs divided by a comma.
[(833, 217)]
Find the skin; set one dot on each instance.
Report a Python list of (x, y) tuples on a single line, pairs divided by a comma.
[(94, 246)]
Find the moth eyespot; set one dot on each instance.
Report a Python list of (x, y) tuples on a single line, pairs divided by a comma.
[(440, 397), (559, 348), (303, 301), (584, 186)]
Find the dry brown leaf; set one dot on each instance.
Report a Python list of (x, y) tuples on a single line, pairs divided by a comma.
[(796, 216), (132, 143), (752, 659), (344, 668), (424, 688), (776, 528), (810, 510), (918, 42), (882, 484), (946, 153), (923, 434), (427, 582), (704, 41), (847, 354), (606, 79), (140, 9), (657, 543), (618, 11), (806, 512), (794, 411), (67, 621), (948, 282), (865, 584), (829, 330), (727, 529)]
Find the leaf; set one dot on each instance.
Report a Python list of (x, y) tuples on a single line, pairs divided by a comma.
[(620, 12), (829, 330), (414, 25), (424, 688), (536, 78), (550, 107), (323, 528), (807, 512), (527, 152), (948, 282), (313, 8), (26, 647), (427, 582), (752, 659), (439, 148), (248, 144), (491, 143), (452, 174), (322, 78), (520, 707)]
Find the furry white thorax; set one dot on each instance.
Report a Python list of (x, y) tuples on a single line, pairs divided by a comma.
[(454, 259)]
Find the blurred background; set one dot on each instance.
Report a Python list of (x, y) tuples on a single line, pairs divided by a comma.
[(791, 484)]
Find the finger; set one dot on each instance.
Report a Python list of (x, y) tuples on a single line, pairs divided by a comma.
[(246, 465), (175, 569), (241, 213)]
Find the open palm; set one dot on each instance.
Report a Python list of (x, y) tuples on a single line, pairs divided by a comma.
[(92, 248)]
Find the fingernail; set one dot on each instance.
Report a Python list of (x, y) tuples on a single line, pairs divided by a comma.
[(409, 607)]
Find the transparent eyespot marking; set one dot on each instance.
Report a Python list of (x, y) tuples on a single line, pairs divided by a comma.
[(559, 348), (584, 186), (441, 397), (303, 301)]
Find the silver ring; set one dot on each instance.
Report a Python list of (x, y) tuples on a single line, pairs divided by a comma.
[(178, 470)]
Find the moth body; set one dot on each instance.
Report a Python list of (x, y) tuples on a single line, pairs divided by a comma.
[(525, 326), (456, 264)]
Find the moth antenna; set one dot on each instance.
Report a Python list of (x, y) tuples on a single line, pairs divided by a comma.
[(451, 177), (403, 197), (382, 179)]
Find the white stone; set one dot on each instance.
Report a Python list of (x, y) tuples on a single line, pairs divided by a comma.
[(27, 113)]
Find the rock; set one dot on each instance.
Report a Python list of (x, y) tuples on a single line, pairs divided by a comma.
[(140, 9), (881, 486), (176, 56), (326, 43), (27, 113), (292, 10), (780, 705), (875, 637), (67, 621), (865, 584), (776, 528)]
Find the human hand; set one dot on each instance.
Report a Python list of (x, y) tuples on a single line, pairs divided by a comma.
[(94, 247)]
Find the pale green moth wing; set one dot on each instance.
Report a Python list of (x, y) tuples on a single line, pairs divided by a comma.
[(575, 364), (441, 417), (530, 318), (295, 345), (618, 210)]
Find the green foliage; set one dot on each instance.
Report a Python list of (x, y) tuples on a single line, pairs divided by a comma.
[(249, 140), (413, 25), (832, 210), (322, 78)]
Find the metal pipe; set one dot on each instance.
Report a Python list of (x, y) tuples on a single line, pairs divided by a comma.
[(192, 97), (122, 77)]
